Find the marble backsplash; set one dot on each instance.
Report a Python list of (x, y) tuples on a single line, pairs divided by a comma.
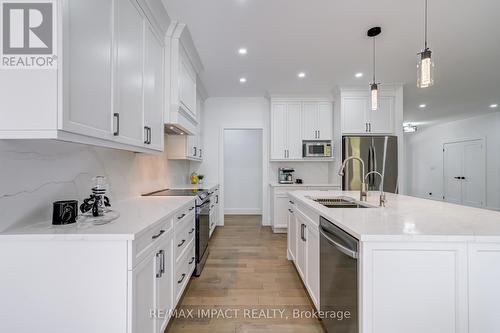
[(34, 173)]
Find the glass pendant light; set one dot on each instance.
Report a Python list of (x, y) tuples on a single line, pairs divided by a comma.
[(425, 66), (372, 33)]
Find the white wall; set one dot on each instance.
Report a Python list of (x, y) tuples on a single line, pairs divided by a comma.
[(222, 112), (33, 174), (309, 172), (243, 171), (424, 156)]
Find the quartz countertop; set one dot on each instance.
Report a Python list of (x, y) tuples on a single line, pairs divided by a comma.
[(406, 218), (276, 184), (136, 215)]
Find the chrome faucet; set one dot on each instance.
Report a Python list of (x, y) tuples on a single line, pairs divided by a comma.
[(382, 194), (363, 191)]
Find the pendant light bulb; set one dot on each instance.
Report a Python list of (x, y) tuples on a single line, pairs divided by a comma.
[(425, 69), (425, 65), (374, 96)]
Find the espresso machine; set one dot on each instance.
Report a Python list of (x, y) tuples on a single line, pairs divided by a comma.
[(285, 175)]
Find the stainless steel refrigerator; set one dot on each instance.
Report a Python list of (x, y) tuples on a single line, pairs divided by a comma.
[(380, 153)]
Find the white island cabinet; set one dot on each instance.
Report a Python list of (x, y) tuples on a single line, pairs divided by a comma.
[(106, 86), (122, 277), (423, 266)]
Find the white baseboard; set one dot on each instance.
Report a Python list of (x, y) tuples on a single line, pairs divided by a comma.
[(243, 211)]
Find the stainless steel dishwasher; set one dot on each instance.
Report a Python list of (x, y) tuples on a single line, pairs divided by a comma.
[(338, 278)]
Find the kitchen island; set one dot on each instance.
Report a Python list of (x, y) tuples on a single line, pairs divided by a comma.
[(421, 265)]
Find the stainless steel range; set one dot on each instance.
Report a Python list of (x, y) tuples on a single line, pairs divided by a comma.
[(202, 220)]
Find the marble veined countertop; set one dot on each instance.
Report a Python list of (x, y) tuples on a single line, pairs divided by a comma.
[(406, 218), (136, 215)]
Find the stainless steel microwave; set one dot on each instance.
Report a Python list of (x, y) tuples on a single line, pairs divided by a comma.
[(317, 149)]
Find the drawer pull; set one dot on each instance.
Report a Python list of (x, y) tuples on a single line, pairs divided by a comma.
[(180, 217), (181, 243), (192, 260), (291, 202), (158, 235), (191, 231), (182, 278), (190, 209)]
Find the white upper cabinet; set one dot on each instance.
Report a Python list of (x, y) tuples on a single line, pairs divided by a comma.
[(358, 118), (286, 139), (104, 89), (317, 121), (310, 121), (153, 91), (182, 67), (293, 131), (295, 120), (325, 121), (354, 112), (87, 92), (129, 58)]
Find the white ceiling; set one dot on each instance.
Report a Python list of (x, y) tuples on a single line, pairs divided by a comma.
[(327, 40)]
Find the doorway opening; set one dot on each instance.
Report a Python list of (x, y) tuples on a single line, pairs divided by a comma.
[(243, 171)]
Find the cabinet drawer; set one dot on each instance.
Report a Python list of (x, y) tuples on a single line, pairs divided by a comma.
[(184, 234), (184, 214), (184, 269), (145, 242)]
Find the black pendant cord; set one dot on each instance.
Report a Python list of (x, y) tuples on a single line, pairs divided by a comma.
[(425, 28), (374, 60)]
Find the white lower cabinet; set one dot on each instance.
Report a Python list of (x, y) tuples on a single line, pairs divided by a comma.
[(98, 283), (484, 291), (307, 257), (431, 284)]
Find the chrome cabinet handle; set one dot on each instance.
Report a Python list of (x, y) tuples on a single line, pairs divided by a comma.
[(192, 260), (116, 115), (180, 217), (149, 135), (194, 151), (201, 150), (158, 234), (293, 203), (217, 199), (158, 265), (190, 209), (370, 127), (191, 231), (319, 134), (181, 243), (291, 211), (162, 262), (182, 278)]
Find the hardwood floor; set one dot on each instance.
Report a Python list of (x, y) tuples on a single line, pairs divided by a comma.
[(247, 277)]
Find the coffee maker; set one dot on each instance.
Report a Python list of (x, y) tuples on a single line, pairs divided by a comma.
[(285, 175)]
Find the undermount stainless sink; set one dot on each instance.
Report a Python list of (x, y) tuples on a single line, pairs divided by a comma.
[(340, 202)]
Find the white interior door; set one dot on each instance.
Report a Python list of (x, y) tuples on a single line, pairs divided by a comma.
[(453, 157), (474, 182), (464, 173)]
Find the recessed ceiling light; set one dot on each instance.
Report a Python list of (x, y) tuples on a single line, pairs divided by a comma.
[(242, 51), (182, 133), (493, 106), (358, 75), (422, 106), (301, 75), (243, 80)]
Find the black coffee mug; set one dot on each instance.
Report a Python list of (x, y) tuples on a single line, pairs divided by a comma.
[(64, 212)]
